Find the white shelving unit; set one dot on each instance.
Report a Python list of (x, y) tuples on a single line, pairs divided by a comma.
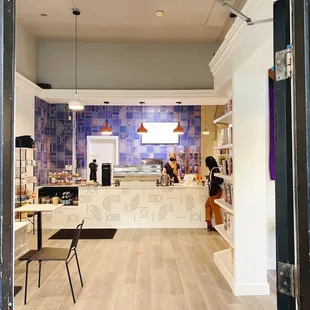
[(225, 176), (225, 205), (223, 262), (227, 236), (24, 178), (224, 119), (223, 259), (224, 147)]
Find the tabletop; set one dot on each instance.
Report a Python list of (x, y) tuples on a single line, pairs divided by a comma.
[(38, 208)]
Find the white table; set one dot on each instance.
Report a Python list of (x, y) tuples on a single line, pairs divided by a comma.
[(38, 209)]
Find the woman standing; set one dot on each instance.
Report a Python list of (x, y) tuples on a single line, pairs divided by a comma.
[(215, 192), (173, 168)]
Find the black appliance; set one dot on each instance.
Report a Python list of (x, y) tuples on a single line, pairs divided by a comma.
[(106, 174), (93, 170)]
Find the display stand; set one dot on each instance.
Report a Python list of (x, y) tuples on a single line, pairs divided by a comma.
[(24, 180)]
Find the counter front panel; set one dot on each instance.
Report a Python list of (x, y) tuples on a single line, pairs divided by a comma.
[(134, 207)]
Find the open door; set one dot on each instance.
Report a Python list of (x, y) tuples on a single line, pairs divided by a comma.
[(292, 119)]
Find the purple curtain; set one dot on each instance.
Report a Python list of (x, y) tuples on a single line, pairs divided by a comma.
[(272, 155)]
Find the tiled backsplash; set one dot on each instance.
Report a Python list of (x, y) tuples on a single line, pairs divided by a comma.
[(42, 139), (124, 121)]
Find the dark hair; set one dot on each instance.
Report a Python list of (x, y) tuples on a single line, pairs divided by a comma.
[(211, 162)]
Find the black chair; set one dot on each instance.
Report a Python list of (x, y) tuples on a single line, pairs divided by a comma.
[(58, 255)]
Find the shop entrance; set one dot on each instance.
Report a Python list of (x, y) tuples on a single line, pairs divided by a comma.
[(292, 103)]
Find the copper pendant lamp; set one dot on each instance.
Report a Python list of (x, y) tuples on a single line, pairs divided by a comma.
[(141, 130), (179, 130), (106, 130)]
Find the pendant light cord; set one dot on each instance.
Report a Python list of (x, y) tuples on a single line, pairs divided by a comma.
[(76, 53)]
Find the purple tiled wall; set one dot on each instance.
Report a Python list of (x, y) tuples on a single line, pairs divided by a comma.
[(124, 121), (42, 140)]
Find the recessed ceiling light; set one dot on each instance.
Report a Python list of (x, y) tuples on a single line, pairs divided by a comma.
[(159, 13), (43, 14)]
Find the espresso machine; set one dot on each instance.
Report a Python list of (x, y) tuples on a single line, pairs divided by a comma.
[(106, 171)]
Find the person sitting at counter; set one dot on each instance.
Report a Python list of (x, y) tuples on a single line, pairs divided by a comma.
[(173, 168), (215, 192)]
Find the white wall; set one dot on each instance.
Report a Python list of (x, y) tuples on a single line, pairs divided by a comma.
[(254, 191), (26, 53), (24, 106), (127, 66), (243, 60)]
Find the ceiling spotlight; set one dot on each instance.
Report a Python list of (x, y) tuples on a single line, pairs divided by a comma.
[(159, 13), (43, 14)]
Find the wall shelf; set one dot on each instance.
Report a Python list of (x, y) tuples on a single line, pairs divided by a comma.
[(224, 147), (225, 205), (221, 230), (224, 176), (223, 262), (224, 119)]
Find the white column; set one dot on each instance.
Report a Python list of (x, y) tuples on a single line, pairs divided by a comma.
[(250, 119)]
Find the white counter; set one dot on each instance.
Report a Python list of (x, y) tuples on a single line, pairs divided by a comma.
[(131, 206)]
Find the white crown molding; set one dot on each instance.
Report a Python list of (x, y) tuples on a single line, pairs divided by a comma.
[(251, 9), (133, 97), (124, 97), (26, 84)]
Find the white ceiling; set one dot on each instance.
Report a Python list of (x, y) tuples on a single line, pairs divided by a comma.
[(126, 20)]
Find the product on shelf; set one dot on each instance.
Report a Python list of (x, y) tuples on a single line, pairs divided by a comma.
[(225, 220), (63, 178), (226, 135), (228, 223), (228, 192), (225, 191), (226, 165), (232, 255), (228, 106)]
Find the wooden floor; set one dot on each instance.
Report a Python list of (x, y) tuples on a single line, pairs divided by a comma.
[(143, 269)]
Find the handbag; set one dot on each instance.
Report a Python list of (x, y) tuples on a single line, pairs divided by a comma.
[(220, 185)]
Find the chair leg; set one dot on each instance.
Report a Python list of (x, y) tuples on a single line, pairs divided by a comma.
[(69, 277), (78, 265), (39, 279), (26, 282)]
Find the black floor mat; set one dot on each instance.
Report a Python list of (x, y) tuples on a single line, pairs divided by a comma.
[(94, 233), (17, 289)]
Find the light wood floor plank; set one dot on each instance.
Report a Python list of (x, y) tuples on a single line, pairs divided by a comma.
[(140, 269)]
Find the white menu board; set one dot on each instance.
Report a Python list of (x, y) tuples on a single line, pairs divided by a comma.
[(160, 133)]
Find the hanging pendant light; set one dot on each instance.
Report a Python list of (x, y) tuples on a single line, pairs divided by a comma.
[(76, 104), (179, 130), (141, 130), (106, 130), (205, 131)]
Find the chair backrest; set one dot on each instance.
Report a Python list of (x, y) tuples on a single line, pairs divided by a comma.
[(76, 237)]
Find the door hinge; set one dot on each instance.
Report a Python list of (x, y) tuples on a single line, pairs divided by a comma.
[(287, 279), (284, 64)]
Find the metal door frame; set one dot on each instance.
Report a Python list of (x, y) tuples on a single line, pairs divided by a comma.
[(292, 118), (7, 145)]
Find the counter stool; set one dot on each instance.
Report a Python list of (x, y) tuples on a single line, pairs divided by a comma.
[(58, 255)]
